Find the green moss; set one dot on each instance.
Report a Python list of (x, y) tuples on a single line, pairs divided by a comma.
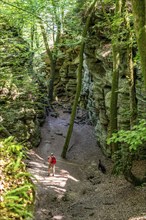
[(19, 92)]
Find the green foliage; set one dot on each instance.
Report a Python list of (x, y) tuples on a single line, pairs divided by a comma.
[(122, 160), (130, 142), (17, 190), (134, 137), (54, 14), (20, 90)]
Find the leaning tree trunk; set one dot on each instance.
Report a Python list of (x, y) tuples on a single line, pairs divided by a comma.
[(79, 81), (139, 12), (52, 63)]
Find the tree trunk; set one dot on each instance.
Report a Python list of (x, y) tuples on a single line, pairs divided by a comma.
[(132, 92), (115, 80), (79, 81), (32, 32), (114, 96), (130, 72), (129, 176), (51, 80), (139, 12), (52, 63)]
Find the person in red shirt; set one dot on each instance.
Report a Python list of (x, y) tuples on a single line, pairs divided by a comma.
[(52, 162)]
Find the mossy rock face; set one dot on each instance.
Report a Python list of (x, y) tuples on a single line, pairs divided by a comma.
[(18, 91), (98, 63), (97, 81), (66, 72)]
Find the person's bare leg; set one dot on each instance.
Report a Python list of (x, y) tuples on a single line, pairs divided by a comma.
[(53, 168), (49, 169)]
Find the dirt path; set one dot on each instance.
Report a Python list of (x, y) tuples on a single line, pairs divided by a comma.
[(78, 190)]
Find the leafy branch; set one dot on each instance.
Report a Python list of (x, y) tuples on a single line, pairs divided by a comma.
[(134, 137), (132, 142)]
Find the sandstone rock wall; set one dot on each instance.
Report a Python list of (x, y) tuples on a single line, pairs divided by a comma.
[(18, 91), (99, 64), (66, 73), (97, 82)]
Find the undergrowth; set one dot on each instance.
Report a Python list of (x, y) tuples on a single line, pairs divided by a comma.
[(17, 191)]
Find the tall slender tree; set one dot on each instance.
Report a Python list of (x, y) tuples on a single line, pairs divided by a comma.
[(115, 40), (79, 80), (130, 70), (139, 12), (52, 59)]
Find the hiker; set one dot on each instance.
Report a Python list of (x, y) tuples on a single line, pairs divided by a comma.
[(52, 162)]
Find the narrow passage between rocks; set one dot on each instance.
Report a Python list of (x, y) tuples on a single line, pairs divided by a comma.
[(79, 191)]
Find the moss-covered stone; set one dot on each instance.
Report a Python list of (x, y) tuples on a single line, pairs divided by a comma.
[(19, 93), (97, 80)]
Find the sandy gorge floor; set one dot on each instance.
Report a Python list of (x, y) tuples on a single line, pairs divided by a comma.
[(79, 191)]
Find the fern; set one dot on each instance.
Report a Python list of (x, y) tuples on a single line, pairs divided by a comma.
[(18, 195)]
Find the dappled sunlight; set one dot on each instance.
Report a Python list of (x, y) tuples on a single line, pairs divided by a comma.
[(60, 191), (39, 170), (58, 217), (55, 182), (64, 172), (38, 164), (72, 178), (32, 153), (138, 218)]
